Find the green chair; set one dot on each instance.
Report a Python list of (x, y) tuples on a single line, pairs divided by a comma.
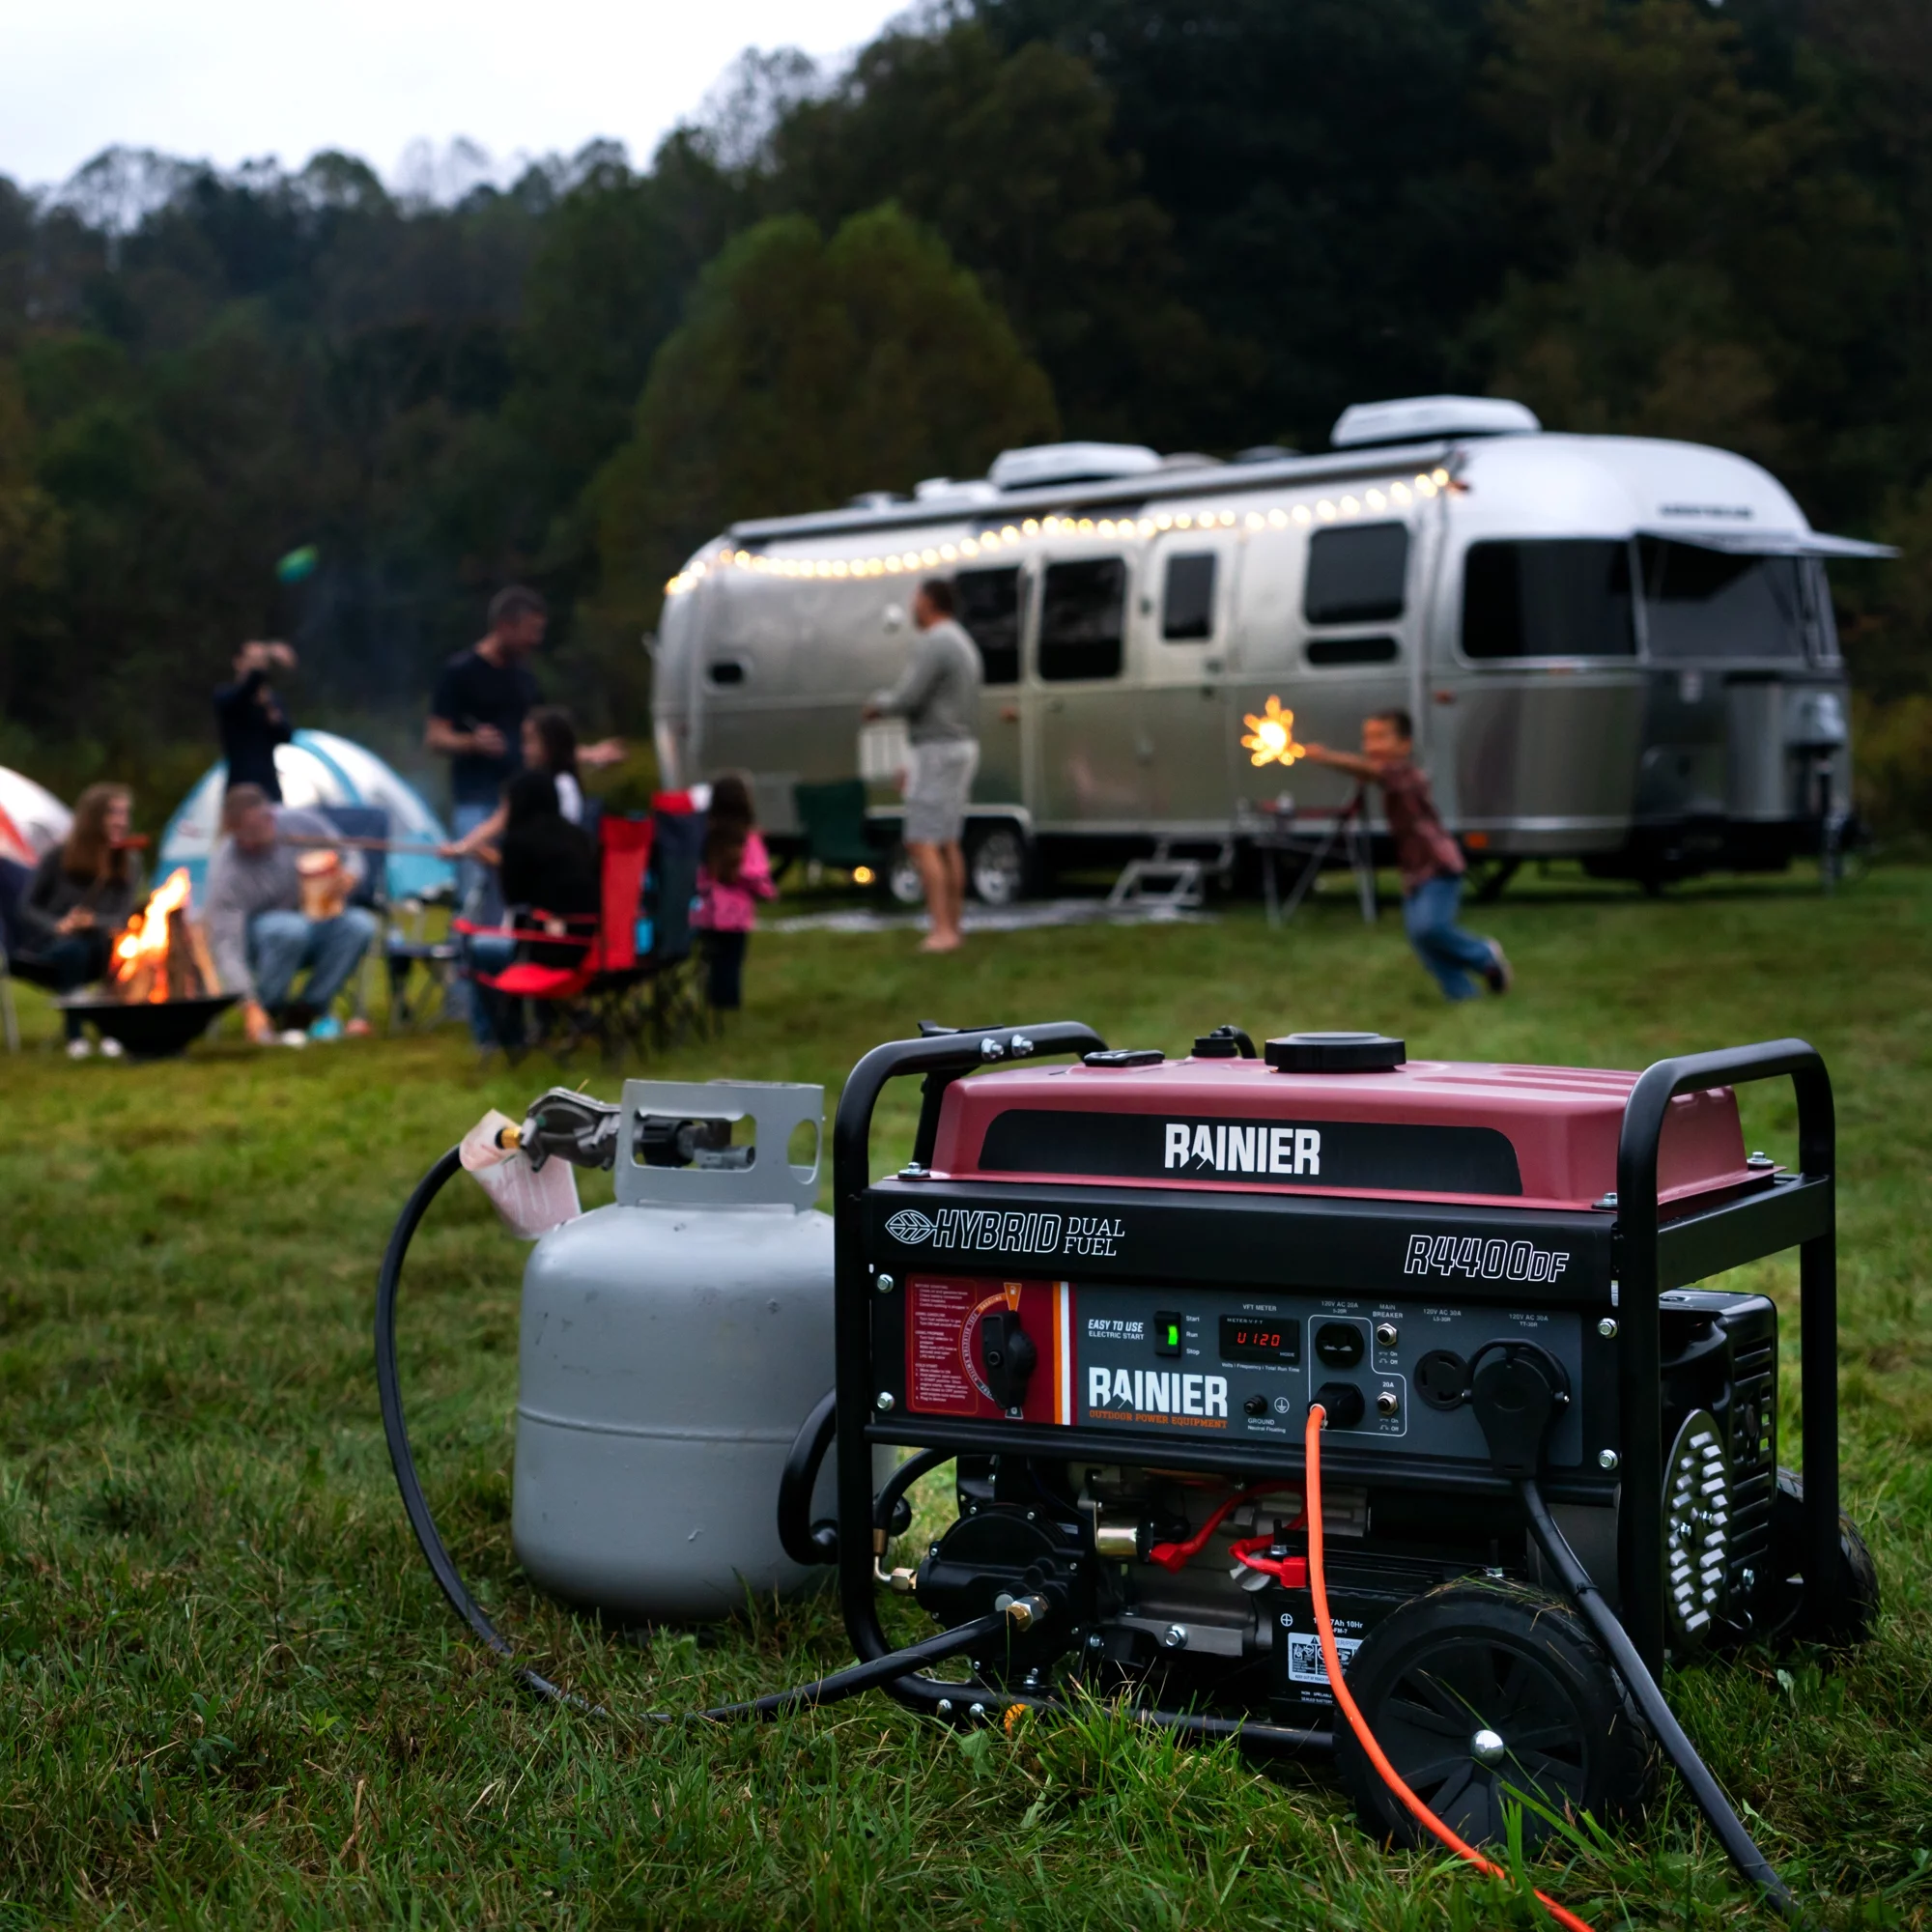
[(837, 831)]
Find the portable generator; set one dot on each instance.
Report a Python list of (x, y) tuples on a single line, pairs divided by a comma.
[(1262, 1371)]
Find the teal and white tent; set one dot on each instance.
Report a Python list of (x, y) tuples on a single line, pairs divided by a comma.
[(319, 769)]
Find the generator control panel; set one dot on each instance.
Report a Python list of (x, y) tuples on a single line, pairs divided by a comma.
[(1232, 1365)]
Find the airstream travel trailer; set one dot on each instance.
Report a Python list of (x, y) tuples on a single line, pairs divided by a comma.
[(1615, 649)]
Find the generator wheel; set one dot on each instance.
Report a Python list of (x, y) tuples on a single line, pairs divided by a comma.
[(1850, 1596), (1483, 1694)]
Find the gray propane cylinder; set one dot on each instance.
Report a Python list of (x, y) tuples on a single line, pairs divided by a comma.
[(672, 1345)]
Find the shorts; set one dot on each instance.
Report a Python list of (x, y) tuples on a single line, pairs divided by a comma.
[(936, 790)]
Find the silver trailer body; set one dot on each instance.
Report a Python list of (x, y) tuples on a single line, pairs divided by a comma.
[(1615, 649)]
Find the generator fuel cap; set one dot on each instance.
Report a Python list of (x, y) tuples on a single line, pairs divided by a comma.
[(1335, 1052)]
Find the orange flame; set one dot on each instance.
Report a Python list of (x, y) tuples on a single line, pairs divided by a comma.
[(1271, 738), (146, 940)]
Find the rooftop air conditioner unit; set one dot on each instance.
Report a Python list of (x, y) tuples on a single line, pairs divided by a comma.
[(1069, 463), (1425, 418)]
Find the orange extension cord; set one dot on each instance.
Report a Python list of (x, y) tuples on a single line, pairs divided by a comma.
[(1318, 1583)]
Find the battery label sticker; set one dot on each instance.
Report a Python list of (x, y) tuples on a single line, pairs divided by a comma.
[(987, 1348), (1304, 1657)]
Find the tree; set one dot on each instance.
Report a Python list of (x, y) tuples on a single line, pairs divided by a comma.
[(806, 371), (1331, 196), (1011, 157), (1709, 266)]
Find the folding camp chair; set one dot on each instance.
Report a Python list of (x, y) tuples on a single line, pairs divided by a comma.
[(677, 1009), (837, 831), (595, 998)]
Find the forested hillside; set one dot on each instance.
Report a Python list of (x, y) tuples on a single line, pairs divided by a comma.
[(1206, 226)]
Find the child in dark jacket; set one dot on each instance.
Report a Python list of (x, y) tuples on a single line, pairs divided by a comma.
[(734, 874)]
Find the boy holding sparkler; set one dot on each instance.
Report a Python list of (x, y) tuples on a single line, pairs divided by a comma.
[(1431, 861)]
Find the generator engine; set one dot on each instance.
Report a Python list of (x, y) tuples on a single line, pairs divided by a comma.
[(1109, 1293)]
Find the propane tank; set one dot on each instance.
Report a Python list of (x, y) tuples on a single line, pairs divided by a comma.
[(672, 1345)]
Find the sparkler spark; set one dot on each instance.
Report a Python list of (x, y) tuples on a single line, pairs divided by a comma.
[(1270, 735)]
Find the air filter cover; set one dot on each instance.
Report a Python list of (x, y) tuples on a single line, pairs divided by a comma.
[(1335, 1052)]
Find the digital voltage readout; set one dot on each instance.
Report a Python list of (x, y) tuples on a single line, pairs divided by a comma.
[(1247, 1338)]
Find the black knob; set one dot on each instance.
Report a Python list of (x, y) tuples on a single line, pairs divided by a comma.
[(1256, 1404), (1343, 1402), (1008, 1355)]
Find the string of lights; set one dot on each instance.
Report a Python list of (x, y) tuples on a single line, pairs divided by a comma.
[(995, 541)]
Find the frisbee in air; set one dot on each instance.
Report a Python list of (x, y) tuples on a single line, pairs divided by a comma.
[(297, 565)]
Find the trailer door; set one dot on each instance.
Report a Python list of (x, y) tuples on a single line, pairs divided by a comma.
[(1088, 776), (990, 603), (1180, 626)]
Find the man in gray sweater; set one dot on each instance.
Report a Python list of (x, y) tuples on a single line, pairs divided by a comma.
[(939, 699), (259, 934)]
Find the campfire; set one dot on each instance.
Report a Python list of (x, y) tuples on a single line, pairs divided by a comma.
[(162, 955)]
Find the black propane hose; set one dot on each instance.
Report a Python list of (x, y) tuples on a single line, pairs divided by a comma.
[(830, 1690), (1682, 1752)]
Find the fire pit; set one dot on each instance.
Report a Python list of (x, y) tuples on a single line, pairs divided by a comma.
[(161, 992), (156, 1029)]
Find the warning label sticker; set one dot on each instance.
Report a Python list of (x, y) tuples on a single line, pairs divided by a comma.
[(1304, 1657)]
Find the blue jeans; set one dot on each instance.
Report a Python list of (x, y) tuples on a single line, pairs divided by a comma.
[(1451, 954), (477, 898), (280, 944)]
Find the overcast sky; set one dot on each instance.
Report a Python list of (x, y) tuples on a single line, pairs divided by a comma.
[(231, 80)]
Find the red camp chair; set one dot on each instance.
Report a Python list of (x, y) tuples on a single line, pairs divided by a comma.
[(598, 997)]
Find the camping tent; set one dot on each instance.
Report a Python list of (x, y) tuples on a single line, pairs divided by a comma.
[(31, 818), (319, 768)]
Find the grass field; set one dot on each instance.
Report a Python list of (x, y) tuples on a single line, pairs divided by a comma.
[(229, 1691)]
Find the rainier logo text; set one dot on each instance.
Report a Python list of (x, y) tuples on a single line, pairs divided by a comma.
[(1150, 1391), (1233, 1149)]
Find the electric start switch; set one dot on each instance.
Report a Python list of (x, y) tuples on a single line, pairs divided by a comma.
[(1166, 1333)]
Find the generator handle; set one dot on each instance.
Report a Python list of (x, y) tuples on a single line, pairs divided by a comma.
[(945, 1056), (1640, 1347)]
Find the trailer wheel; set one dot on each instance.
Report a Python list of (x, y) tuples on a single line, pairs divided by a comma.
[(1850, 1596), (998, 863), (902, 881), (1482, 1694)]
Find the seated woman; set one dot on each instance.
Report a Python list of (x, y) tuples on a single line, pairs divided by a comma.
[(549, 880), (81, 895)]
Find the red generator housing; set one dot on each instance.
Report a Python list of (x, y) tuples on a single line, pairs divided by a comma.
[(1108, 1289)]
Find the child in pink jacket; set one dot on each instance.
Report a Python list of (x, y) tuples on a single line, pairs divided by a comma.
[(733, 876)]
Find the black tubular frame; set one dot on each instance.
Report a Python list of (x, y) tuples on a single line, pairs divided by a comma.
[(1655, 1255)]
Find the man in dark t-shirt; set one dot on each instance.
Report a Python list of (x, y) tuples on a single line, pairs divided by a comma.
[(476, 721), (1431, 861), (251, 720), (476, 715)]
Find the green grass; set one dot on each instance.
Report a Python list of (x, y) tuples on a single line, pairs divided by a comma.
[(229, 1691)]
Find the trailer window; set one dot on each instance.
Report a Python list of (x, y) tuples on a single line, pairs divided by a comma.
[(1187, 602), (1324, 651), (1081, 607), (1560, 598), (1356, 575), (1714, 604), (989, 609)]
